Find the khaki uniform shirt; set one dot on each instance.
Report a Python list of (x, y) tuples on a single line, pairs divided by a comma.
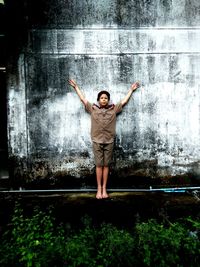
[(103, 122)]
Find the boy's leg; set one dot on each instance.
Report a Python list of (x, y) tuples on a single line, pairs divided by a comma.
[(98, 156), (108, 150), (99, 175), (105, 179)]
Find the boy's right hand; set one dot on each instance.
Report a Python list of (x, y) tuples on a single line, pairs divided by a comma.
[(72, 83)]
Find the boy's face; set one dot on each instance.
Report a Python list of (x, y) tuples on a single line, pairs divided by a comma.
[(103, 100)]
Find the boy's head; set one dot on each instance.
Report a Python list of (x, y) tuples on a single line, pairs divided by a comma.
[(103, 98), (101, 93)]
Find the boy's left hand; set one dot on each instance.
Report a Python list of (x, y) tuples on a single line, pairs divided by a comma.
[(135, 85)]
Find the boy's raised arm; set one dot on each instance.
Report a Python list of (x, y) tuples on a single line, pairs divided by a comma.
[(78, 91), (133, 87)]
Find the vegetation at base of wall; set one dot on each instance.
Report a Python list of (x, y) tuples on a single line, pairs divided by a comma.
[(39, 240)]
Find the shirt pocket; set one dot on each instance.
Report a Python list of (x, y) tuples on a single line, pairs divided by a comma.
[(109, 116)]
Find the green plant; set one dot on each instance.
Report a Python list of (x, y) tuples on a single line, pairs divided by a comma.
[(35, 240), (31, 238), (162, 246), (116, 247), (81, 247)]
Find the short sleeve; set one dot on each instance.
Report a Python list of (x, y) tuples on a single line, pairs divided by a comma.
[(118, 107), (88, 107)]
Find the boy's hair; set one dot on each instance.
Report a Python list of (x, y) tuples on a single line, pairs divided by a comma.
[(101, 93)]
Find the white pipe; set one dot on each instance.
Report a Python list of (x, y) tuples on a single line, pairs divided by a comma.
[(167, 190)]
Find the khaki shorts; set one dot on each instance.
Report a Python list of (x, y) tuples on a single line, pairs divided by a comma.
[(102, 154)]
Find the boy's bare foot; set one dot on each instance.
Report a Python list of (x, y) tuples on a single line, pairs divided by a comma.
[(104, 193), (99, 195)]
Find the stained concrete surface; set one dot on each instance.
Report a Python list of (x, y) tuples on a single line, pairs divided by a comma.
[(103, 44)]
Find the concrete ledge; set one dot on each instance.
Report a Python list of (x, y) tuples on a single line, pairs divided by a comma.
[(122, 208)]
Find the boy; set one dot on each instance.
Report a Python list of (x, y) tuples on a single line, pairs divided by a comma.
[(103, 122)]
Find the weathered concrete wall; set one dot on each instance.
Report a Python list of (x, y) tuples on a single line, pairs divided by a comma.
[(106, 44)]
